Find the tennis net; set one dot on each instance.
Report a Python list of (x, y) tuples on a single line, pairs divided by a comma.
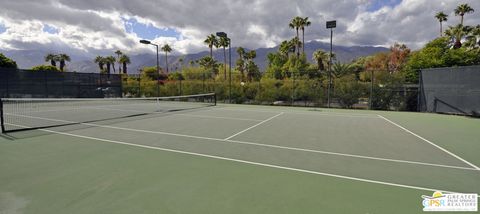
[(19, 114)]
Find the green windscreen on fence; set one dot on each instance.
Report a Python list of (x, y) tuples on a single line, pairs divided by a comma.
[(53, 84), (453, 90)]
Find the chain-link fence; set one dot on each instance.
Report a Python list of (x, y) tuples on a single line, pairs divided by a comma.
[(453, 90), (295, 90), (52, 84)]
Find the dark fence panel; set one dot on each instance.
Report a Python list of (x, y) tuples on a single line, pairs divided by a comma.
[(453, 90), (50, 84)]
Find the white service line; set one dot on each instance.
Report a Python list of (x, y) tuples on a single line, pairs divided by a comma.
[(189, 115), (256, 144), (312, 113), (247, 162), (251, 127), (429, 142)]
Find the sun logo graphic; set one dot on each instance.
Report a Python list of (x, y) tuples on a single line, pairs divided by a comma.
[(436, 200), (450, 202)]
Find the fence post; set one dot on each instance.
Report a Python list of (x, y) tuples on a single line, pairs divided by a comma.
[(419, 91), (2, 123), (203, 82), (7, 82), (45, 83)]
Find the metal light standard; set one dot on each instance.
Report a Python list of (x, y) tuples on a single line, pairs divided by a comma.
[(147, 42), (223, 34), (330, 25)]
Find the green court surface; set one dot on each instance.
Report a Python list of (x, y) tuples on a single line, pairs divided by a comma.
[(240, 159)]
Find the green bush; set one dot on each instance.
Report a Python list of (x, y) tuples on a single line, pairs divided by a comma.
[(45, 68), (7, 62), (348, 90)]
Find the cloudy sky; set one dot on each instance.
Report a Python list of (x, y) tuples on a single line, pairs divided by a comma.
[(96, 26)]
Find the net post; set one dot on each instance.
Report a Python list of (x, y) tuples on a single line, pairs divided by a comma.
[(1, 116), (215, 99)]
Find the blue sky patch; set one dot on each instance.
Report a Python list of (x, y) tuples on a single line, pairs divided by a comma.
[(50, 29), (2, 28), (377, 4), (149, 32)]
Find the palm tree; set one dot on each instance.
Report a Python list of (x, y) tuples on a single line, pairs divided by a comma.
[(296, 23), (167, 49), (463, 9), (209, 64), (101, 62), (473, 38), (211, 41), (441, 17), (110, 62), (52, 58), (340, 69), (456, 33), (320, 57), (124, 59), (304, 23), (296, 44), (63, 58), (119, 54), (240, 64), (250, 65), (224, 42)]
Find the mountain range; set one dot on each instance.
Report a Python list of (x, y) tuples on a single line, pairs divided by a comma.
[(83, 62)]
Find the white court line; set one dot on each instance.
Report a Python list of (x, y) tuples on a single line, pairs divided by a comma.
[(259, 144), (187, 115), (246, 162), (251, 127), (429, 142), (332, 114)]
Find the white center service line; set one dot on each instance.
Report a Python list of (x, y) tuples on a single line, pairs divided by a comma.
[(251, 127)]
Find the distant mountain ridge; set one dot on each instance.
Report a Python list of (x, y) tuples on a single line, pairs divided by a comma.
[(84, 62)]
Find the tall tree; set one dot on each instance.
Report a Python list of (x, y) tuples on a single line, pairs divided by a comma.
[(399, 54), (296, 23), (296, 44), (240, 64), (167, 49), (457, 33), (211, 41), (285, 48), (52, 58), (110, 61), (124, 59), (100, 60), (441, 17), (224, 42), (209, 64), (119, 54), (463, 9), (473, 37), (321, 57), (63, 58), (250, 67), (304, 23)]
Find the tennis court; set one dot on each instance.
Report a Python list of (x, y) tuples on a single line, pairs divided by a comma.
[(230, 159)]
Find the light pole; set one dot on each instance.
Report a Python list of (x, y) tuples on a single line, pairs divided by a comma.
[(223, 34), (147, 42), (330, 25)]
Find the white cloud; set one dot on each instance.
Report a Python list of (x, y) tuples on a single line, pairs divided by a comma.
[(93, 26)]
